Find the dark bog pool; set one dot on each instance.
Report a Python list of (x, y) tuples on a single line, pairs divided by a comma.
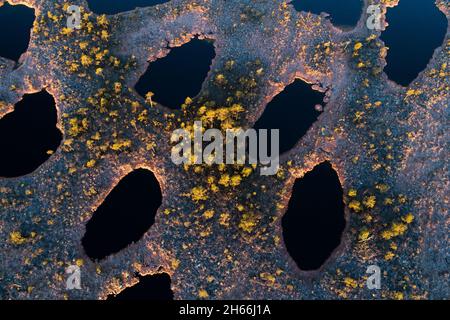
[(416, 28), (125, 215), (314, 222), (15, 27), (28, 135), (292, 112), (178, 75)]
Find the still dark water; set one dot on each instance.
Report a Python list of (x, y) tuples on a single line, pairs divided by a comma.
[(27, 134), (126, 214), (292, 112), (178, 75), (116, 6), (15, 27), (314, 221), (152, 287), (416, 28), (343, 13)]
